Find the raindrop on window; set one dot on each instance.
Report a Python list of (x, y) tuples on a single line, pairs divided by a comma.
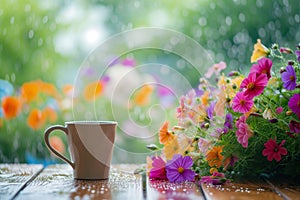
[(202, 21), (12, 20), (30, 34), (137, 4), (262, 32), (242, 17), (228, 21), (45, 19), (259, 3), (27, 8), (297, 18), (40, 42)]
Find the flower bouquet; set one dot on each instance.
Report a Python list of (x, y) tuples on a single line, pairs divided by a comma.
[(242, 126)]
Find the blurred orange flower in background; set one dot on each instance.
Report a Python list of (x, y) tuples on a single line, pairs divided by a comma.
[(11, 107), (57, 144), (36, 119), (30, 91), (93, 90), (142, 96)]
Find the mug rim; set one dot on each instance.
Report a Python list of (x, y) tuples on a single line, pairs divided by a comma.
[(91, 122)]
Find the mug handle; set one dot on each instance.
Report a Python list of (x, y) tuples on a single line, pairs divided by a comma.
[(46, 137)]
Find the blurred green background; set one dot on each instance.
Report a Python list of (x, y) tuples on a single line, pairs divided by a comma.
[(48, 40)]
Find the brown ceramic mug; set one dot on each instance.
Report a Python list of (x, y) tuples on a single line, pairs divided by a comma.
[(91, 147)]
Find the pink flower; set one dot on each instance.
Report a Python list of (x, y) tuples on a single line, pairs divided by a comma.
[(158, 170), (178, 169), (273, 150), (263, 66), (279, 110), (241, 103), (294, 104), (204, 145), (243, 133), (254, 84), (215, 69), (216, 178)]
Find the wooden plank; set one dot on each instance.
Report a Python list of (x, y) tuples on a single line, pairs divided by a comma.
[(56, 182), (14, 177), (241, 191), (162, 189), (286, 189)]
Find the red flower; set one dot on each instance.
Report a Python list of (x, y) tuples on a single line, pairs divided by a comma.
[(273, 150), (255, 84)]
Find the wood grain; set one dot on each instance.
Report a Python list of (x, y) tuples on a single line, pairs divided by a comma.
[(162, 189), (13, 177), (241, 191), (56, 182), (286, 189)]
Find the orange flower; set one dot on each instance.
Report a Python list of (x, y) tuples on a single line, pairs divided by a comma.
[(49, 89), (165, 135), (68, 89), (30, 90), (11, 107), (57, 144), (143, 95), (214, 156), (50, 114), (171, 148), (205, 98), (93, 90), (259, 51), (36, 119)]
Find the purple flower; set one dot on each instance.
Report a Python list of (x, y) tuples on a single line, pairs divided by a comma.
[(210, 110), (289, 78), (297, 52), (294, 104), (228, 124), (294, 126), (158, 170), (178, 169)]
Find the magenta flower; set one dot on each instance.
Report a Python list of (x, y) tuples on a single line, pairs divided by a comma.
[(288, 78), (216, 178), (273, 150), (263, 66), (294, 126), (279, 110), (178, 169), (158, 170), (294, 104), (254, 84), (241, 103), (243, 132)]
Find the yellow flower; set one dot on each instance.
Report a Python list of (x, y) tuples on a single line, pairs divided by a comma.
[(259, 51), (171, 148), (205, 98)]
